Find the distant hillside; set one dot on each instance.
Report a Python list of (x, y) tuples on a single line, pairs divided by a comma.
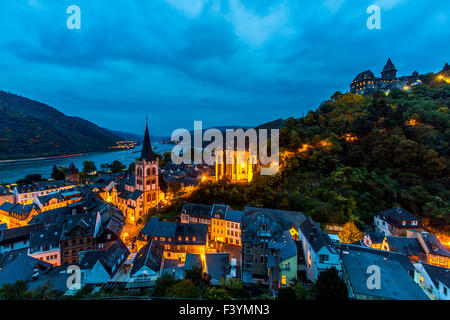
[(32, 129), (127, 135), (357, 155)]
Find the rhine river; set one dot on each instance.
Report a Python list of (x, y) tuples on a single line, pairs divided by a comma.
[(11, 172)]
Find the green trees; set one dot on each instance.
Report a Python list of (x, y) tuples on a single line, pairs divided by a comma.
[(385, 160), (330, 286), (57, 174), (116, 166), (89, 167)]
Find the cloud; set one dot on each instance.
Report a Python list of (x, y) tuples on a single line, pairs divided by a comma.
[(221, 61)]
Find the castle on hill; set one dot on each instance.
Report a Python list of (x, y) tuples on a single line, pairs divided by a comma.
[(366, 82)]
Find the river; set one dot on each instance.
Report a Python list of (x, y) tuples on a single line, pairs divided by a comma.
[(11, 172)]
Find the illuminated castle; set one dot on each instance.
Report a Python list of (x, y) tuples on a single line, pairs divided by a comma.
[(366, 82)]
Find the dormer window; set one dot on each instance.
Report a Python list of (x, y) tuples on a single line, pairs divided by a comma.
[(414, 223), (403, 223), (186, 238)]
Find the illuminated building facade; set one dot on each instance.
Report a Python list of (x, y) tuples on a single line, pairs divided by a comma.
[(17, 215), (239, 170)]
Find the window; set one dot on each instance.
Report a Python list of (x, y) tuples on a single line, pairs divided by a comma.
[(323, 258), (283, 279), (414, 223), (445, 290), (403, 223)]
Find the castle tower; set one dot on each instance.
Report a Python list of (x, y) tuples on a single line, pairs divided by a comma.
[(147, 174), (389, 72)]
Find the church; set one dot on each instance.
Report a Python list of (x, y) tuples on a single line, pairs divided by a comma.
[(366, 82), (141, 191)]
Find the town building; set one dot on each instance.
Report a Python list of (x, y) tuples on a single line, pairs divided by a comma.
[(23, 268), (72, 174), (409, 246), (17, 215), (366, 82), (436, 253), (100, 266), (44, 245), (282, 261), (6, 195), (396, 221), (178, 239), (434, 280), (361, 267), (25, 194), (147, 264), (57, 199), (259, 227), (223, 223), (217, 265), (320, 253), (77, 235), (16, 238)]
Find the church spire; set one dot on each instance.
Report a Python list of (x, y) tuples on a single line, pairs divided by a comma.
[(147, 153)]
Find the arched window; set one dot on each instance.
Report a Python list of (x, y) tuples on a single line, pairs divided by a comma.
[(194, 238), (187, 238), (149, 197), (153, 196), (179, 238), (148, 171), (154, 171)]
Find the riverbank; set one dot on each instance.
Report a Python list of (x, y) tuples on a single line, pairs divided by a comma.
[(11, 171)]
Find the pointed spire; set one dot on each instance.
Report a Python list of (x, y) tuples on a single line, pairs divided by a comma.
[(389, 66), (147, 153)]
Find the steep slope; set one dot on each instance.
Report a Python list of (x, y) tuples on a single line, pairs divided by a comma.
[(32, 129)]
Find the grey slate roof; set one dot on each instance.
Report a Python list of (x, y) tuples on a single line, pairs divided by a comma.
[(18, 234), (158, 228), (396, 215), (319, 237), (438, 274), (217, 265), (108, 258), (234, 215), (396, 278), (21, 268), (192, 260), (45, 237), (408, 246), (285, 246), (276, 220), (150, 255), (183, 230), (197, 210)]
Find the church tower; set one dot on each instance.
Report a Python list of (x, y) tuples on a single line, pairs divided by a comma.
[(389, 72), (147, 174)]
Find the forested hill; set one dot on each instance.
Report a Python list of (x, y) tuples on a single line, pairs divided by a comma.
[(32, 129), (355, 156)]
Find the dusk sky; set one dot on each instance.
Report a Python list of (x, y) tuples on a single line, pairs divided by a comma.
[(230, 62)]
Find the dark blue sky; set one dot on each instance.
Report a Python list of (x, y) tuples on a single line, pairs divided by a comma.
[(230, 62)]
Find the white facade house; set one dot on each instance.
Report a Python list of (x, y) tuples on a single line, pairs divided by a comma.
[(319, 250), (434, 280)]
